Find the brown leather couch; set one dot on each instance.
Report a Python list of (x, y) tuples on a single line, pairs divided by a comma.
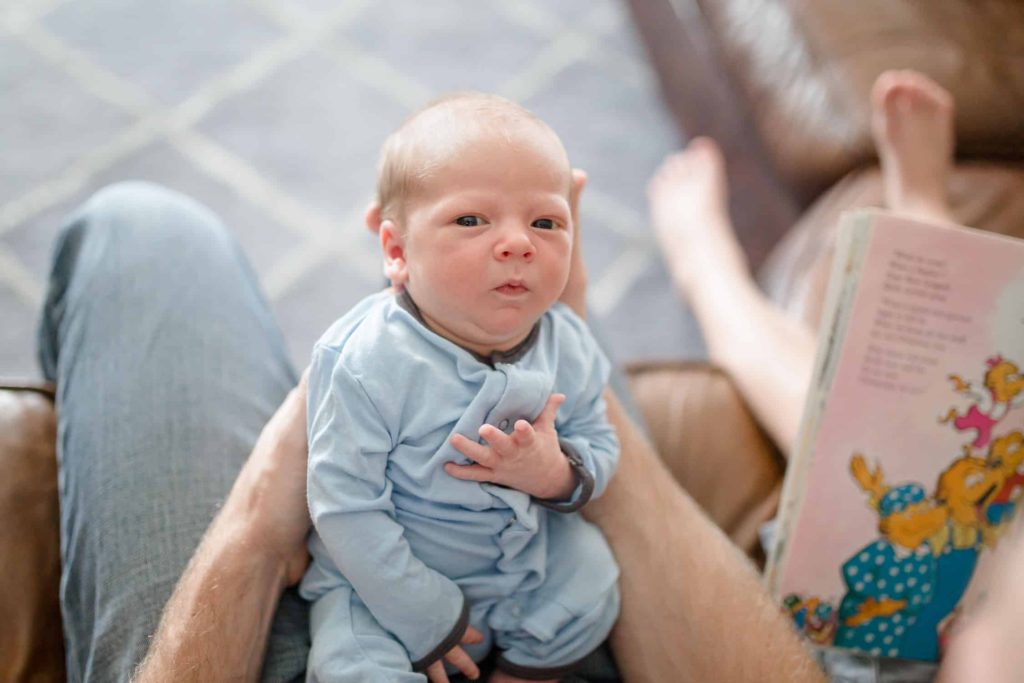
[(802, 69)]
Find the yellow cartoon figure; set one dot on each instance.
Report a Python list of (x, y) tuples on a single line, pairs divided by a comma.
[(1005, 457), (1003, 390), (966, 487)]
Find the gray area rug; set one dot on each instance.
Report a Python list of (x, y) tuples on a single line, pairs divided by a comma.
[(272, 114)]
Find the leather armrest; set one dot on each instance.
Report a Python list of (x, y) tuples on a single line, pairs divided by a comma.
[(806, 68), (710, 442), (31, 640)]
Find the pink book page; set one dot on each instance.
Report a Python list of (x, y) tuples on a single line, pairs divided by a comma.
[(916, 467)]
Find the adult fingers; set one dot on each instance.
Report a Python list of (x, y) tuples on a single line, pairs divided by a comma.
[(458, 658), (476, 452), (372, 217), (472, 636), (436, 674), (579, 181), (575, 293), (546, 419), (469, 472)]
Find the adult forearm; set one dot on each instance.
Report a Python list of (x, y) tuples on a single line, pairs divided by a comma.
[(216, 623), (693, 608)]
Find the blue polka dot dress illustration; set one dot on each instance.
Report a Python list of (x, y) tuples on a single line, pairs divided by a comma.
[(889, 585)]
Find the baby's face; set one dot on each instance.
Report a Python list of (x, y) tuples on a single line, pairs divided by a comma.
[(488, 241)]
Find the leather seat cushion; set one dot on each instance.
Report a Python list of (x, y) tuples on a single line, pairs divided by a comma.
[(710, 442), (31, 640)]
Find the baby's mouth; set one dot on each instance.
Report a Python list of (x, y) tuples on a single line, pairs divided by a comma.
[(512, 287)]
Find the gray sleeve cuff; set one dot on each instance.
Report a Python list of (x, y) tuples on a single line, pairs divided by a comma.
[(453, 638), (584, 483)]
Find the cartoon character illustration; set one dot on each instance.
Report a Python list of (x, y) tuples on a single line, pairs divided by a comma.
[(1006, 456), (890, 581), (1003, 390), (905, 584), (813, 617), (964, 488)]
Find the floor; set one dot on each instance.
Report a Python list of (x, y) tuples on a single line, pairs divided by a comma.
[(272, 114)]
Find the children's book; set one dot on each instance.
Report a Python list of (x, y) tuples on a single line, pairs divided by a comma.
[(908, 467)]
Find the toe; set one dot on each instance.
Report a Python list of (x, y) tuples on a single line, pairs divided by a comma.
[(704, 146), (882, 86)]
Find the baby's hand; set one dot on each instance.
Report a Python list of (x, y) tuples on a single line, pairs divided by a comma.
[(529, 459)]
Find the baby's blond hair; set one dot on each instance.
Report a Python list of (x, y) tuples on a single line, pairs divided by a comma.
[(430, 136)]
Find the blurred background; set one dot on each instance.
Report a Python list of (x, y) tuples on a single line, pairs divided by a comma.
[(272, 114)]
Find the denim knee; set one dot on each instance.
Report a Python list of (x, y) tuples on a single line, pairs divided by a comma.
[(130, 234), (145, 210)]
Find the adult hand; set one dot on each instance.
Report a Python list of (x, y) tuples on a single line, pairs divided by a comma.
[(575, 293), (528, 460), (271, 487), (458, 658)]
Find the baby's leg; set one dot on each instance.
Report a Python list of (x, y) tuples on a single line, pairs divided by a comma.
[(912, 123), (546, 633), (768, 355), (350, 646)]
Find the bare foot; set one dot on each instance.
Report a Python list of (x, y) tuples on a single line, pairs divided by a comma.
[(912, 123), (687, 197)]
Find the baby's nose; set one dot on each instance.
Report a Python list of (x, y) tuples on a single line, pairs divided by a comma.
[(516, 245)]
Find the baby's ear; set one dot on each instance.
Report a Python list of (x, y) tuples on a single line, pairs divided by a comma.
[(372, 216), (393, 246)]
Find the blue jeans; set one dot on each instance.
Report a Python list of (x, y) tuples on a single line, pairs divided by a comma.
[(168, 363)]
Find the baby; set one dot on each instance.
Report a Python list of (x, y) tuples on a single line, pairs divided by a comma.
[(456, 421)]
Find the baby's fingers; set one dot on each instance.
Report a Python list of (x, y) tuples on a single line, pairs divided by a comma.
[(546, 419), (472, 636), (498, 440), (471, 449), (469, 472), (458, 658), (523, 434)]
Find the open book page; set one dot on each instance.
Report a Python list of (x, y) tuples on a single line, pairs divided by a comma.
[(912, 466)]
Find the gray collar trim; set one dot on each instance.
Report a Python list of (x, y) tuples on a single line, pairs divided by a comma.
[(510, 356)]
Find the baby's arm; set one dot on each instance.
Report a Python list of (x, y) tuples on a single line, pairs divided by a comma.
[(350, 504), (585, 428)]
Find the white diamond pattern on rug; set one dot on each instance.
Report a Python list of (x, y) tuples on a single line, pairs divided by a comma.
[(445, 44), (47, 120), (167, 47), (311, 127), (262, 238), (273, 115), (17, 336)]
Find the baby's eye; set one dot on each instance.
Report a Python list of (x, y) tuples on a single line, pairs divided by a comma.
[(544, 224), (468, 221)]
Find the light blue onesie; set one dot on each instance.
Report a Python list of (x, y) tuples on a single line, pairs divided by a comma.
[(405, 555)]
